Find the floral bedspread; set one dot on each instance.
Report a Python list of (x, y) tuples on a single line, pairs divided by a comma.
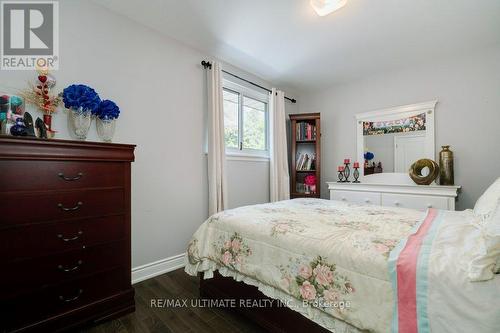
[(325, 259)]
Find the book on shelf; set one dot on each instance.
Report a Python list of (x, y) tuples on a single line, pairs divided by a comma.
[(305, 162), (305, 131)]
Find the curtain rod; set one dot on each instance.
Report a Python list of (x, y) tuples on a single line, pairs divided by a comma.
[(208, 65)]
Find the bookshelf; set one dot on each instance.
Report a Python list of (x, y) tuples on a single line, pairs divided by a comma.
[(306, 155)]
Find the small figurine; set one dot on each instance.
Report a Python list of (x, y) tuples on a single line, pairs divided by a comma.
[(4, 108), (4, 103), (42, 128), (28, 122), (19, 129), (16, 105)]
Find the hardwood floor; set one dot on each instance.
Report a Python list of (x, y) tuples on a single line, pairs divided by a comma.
[(175, 285)]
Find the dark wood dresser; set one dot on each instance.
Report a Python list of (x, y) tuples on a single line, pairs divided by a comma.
[(64, 233)]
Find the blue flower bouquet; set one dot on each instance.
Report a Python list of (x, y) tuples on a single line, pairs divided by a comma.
[(83, 102), (106, 114)]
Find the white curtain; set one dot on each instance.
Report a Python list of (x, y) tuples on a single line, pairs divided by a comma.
[(279, 178), (217, 184)]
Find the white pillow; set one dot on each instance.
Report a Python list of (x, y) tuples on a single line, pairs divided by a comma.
[(488, 202), (486, 263)]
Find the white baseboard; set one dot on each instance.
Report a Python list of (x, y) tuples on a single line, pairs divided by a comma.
[(148, 271)]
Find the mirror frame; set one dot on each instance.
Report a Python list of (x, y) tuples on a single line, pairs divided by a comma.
[(398, 112)]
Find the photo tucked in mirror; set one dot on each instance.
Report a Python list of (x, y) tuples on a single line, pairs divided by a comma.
[(393, 145)]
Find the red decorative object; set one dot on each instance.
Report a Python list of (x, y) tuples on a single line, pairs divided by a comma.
[(39, 94), (310, 182), (310, 179), (356, 164), (49, 103), (47, 120), (347, 161)]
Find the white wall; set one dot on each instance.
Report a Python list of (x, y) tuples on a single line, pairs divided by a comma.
[(248, 182), (467, 114), (159, 85)]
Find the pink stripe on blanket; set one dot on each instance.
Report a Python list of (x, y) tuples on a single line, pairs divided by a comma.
[(406, 268)]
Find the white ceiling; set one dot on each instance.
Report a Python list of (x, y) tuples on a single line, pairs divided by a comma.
[(285, 42)]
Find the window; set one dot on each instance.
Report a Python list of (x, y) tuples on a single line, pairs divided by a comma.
[(245, 120), (231, 119)]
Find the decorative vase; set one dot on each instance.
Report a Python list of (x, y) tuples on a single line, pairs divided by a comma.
[(106, 129), (47, 120), (446, 175), (80, 121)]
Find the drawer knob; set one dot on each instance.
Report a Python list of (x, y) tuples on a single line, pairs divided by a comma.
[(429, 206), (344, 199), (66, 209), (74, 268), (70, 179), (72, 299), (367, 200), (72, 238), (396, 203)]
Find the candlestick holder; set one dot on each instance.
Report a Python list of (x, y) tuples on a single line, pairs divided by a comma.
[(347, 172), (355, 173), (341, 177)]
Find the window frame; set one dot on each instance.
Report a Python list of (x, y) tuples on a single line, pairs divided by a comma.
[(243, 91)]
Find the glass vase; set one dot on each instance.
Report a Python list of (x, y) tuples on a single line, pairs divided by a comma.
[(80, 121), (106, 129)]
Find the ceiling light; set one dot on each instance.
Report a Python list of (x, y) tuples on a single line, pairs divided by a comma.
[(325, 7)]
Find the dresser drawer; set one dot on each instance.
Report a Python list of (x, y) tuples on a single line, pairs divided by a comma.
[(63, 205), (62, 298), (22, 242), (419, 202), (64, 233), (59, 175), (369, 198), (28, 275)]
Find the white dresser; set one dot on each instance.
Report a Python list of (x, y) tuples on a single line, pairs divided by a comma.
[(396, 190)]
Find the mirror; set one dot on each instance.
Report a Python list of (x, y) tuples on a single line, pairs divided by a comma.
[(391, 140)]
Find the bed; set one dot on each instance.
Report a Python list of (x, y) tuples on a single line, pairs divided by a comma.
[(347, 267)]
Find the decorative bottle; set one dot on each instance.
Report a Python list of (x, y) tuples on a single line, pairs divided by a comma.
[(446, 176)]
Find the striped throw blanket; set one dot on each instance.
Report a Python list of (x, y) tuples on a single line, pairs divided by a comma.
[(408, 266)]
